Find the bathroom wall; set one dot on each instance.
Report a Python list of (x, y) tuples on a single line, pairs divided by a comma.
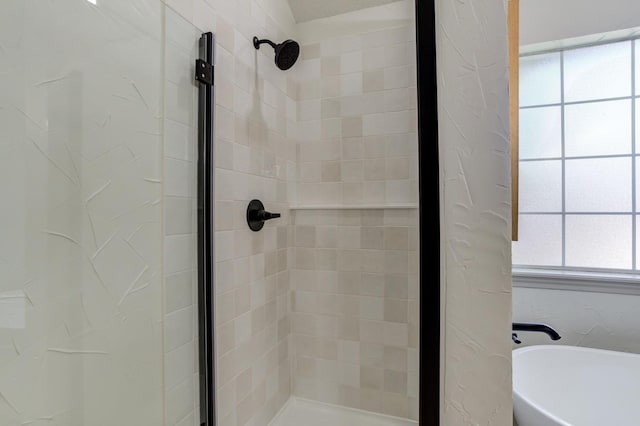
[(80, 253), (583, 318), (355, 319), (355, 274), (179, 223), (255, 155), (476, 217), (594, 320), (545, 20), (591, 319), (357, 110), (255, 158), (128, 310)]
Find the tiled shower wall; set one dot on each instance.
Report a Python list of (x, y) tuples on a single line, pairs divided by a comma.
[(357, 118), (355, 275), (255, 158), (355, 308)]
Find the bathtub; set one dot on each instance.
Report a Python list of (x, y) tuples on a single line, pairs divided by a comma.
[(571, 386)]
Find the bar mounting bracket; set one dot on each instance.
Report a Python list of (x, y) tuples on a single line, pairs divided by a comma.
[(205, 72)]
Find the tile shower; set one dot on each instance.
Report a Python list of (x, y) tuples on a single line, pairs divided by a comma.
[(354, 272), (321, 305), (355, 309)]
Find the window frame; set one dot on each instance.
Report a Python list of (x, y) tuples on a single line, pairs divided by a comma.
[(595, 279)]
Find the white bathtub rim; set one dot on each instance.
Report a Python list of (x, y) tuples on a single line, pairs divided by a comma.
[(536, 348)]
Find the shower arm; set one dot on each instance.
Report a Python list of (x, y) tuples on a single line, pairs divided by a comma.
[(257, 42)]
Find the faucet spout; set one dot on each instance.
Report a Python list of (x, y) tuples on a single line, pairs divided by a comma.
[(541, 328)]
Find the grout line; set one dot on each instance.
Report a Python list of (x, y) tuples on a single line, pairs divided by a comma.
[(356, 207), (580, 213), (564, 166), (587, 101), (634, 242), (583, 157)]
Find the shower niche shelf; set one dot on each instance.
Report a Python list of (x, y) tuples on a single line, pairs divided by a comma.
[(355, 207)]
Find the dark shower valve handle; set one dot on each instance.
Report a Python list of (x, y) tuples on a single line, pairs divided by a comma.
[(257, 215), (264, 215)]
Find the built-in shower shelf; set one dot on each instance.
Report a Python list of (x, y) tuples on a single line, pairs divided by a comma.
[(356, 207)]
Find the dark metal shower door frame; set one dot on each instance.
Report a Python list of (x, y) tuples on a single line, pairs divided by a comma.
[(204, 75), (429, 205)]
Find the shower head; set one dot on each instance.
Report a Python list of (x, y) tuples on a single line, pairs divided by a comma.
[(287, 52)]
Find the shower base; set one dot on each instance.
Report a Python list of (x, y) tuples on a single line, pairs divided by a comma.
[(302, 412)]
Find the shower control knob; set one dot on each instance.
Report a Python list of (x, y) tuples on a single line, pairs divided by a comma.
[(257, 215)]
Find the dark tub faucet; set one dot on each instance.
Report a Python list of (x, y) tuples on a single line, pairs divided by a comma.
[(541, 328)]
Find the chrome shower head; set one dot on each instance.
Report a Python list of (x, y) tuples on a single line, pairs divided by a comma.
[(287, 52)]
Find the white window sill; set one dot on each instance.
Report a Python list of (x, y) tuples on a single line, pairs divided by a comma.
[(592, 281)]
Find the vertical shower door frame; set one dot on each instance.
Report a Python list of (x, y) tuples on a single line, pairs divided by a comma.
[(204, 75), (429, 204)]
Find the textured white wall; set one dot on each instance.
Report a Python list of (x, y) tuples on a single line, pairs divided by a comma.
[(180, 226), (594, 320), (396, 14), (80, 184), (308, 10), (474, 143), (549, 20)]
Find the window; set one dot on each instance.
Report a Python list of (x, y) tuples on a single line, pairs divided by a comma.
[(578, 165)]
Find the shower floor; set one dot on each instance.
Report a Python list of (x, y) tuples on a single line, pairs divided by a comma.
[(302, 412)]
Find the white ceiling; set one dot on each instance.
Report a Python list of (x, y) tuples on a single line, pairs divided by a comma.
[(308, 10)]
